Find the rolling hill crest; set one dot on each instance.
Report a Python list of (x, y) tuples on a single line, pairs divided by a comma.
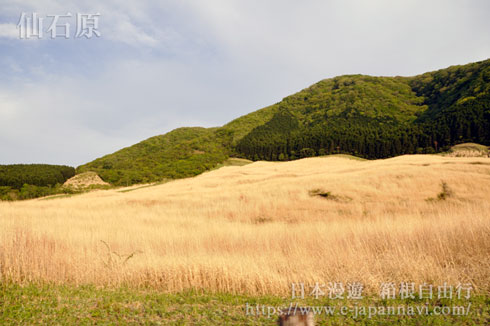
[(370, 117)]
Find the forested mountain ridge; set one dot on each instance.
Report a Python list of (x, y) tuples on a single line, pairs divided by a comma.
[(458, 100), (376, 117), (371, 117)]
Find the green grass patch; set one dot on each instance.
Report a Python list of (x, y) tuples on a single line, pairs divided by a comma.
[(232, 161), (59, 196), (90, 305), (145, 186), (350, 157), (470, 147)]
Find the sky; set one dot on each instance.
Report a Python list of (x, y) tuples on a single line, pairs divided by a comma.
[(159, 65)]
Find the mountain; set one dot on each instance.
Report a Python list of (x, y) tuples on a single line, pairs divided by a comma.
[(370, 117), (181, 153)]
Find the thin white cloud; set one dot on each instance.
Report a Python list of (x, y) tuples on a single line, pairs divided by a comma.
[(207, 62), (9, 31), (78, 119), (326, 38), (128, 23), (121, 29), (9, 107)]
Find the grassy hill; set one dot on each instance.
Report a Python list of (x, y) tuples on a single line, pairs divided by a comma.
[(377, 117), (183, 152), (365, 116), (468, 150), (251, 229), (196, 251)]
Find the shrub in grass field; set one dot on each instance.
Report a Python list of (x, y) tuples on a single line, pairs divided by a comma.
[(446, 191)]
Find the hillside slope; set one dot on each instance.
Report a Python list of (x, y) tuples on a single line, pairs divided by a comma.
[(377, 117), (257, 228), (370, 117), (183, 152)]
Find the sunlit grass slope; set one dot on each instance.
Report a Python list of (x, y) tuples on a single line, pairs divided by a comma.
[(254, 229)]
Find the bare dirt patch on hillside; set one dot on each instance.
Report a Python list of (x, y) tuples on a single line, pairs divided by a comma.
[(85, 180)]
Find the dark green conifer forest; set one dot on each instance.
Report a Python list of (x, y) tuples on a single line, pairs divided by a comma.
[(25, 181)]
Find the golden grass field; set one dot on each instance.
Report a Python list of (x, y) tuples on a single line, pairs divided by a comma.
[(255, 229)]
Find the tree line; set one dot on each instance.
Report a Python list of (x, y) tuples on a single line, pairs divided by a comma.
[(25, 181)]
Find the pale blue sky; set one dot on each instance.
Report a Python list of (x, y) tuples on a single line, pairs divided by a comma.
[(159, 65)]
